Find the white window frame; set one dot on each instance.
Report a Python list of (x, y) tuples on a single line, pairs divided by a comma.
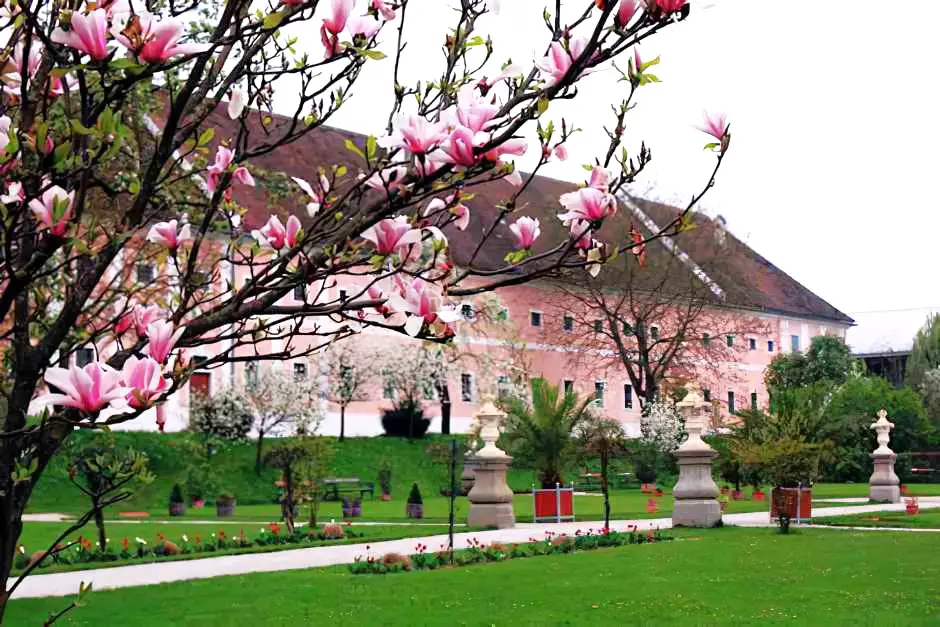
[(599, 402), (472, 390), (541, 319)]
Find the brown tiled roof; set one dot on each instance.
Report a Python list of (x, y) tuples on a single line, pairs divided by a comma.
[(748, 280)]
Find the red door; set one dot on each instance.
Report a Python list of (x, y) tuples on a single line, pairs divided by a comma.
[(198, 385)]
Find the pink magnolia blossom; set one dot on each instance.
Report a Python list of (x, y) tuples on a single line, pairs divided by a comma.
[(588, 204), (625, 12), (88, 389), (556, 64), (275, 235), (161, 338), (318, 196), (53, 210), (243, 176), (12, 81), (459, 209), (223, 159), (339, 14), (423, 301), (715, 125), (364, 25), (510, 71), (145, 380), (5, 124), (384, 8), (512, 146), (157, 41), (561, 152), (415, 134), (581, 234), (514, 178), (14, 193), (392, 235), (667, 6), (459, 147), (139, 318), (169, 234), (389, 178), (87, 33), (474, 112), (526, 230), (236, 103), (600, 178)]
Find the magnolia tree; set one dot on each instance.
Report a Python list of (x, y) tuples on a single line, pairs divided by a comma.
[(280, 404), (352, 370), (109, 159)]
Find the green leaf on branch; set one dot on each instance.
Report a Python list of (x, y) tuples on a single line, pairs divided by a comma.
[(651, 63), (543, 104), (517, 256), (371, 147), (273, 20), (206, 136), (79, 129), (353, 148), (711, 146)]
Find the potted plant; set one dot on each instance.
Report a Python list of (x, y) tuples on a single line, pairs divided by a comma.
[(385, 481), (357, 507), (658, 492), (758, 494), (225, 505), (347, 507), (197, 502), (912, 506), (415, 506), (177, 503), (790, 465), (352, 508)]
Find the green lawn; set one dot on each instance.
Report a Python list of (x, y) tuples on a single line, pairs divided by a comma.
[(726, 576), (926, 519)]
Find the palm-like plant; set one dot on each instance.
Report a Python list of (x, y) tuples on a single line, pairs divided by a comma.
[(540, 435)]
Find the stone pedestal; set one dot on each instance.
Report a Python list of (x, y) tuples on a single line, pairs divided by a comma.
[(695, 494), (468, 475), (884, 485), (490, 497)]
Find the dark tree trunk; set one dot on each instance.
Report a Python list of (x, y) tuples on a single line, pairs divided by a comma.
[(258, 451), (605, 488), (444, 392), (99, 523), (342, 423), (289, 500)]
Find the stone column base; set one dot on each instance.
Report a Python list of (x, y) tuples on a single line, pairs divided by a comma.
[(884, 494), (498, 515), (696, 513)]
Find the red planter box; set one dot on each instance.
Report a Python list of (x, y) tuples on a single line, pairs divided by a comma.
[(547, 501), (790, 501)]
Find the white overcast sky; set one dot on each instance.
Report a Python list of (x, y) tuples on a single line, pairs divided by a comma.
[(835, 128)]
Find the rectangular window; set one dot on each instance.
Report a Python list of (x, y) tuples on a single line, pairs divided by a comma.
[(300, 292), (569, 387), (535, 318), (300, 371), (502, 386), (770, 346), (730, 340), (466, 311), (567, 324), (199, 361), (145, 272), (754, 401), (599, 393), (627, 396), (795, 343), (598, 326), (730, 402), (707, 396), (706, 339), (466, 387), (84, 356), (388, 384), (752, 344), (654, 333)]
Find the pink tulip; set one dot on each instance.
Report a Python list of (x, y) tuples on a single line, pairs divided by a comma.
[(554, 67), (588, 204), (88, 389), (415, 134), (87, 33), (144, 378), (392, 235), (384, 8), (581, 234), (169, 234), (526, 230), (161, 339), (625, 12), (158, 41), (140, 318), (459, 147), (715, 125), (459, 209), (561, 152), (14, 193), (600, 178), (53, 211), (318, 196), (272, 234), (364, 25)]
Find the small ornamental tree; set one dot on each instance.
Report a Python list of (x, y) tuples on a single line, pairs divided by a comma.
[(280, 404), (604, 440), (301, 463), (132, 132), (352, 368)]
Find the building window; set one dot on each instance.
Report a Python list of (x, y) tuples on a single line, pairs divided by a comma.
[(251, 374), (567, 323), (752, 344), (84, 356), (199, 361), (795, 343), (466, 310), (654, 333), (707, 396), (388, 384), (730, 340), (466, 387), (535, 318), (598, 326), (599, 393), (706, 339), (300, 292), (627, 396), (770, 346), (343, 296), (145, 272), (300, 372), (730, 402), (569, 387), (502, 386), (753, 401)]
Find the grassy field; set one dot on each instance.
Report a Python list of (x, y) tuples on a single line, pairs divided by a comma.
[(926, 519), (725, 576)]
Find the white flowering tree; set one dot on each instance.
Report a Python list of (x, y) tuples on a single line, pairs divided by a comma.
[(353, 368), (281, 404), (109, 156)]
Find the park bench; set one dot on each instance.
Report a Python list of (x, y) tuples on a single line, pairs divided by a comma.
[(334, 489)]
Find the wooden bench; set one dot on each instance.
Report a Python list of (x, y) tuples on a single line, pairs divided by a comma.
[(334, 489)]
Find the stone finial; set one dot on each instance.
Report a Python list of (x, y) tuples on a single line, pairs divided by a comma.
[(489, 417), (694, 410), (883, 427)]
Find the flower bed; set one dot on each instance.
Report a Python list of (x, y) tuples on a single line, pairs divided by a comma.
[(477, 552), (84, 550)]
